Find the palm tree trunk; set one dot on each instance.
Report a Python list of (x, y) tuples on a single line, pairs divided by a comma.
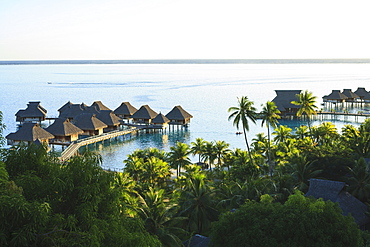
[(268, 149), (249, 150)]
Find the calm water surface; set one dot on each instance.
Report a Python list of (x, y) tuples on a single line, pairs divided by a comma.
[(205, 90)]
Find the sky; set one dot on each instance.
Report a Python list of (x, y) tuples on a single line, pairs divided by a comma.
[(183, 29)]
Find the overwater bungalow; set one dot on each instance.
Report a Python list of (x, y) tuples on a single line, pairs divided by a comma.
[(178, 116), (283, 101), (160, 121), (363, 94), (65, 107), (110, 119), (34, 113), (64, 131), (100, 106), (125, 111), (29, 133), (90, 124), (351, 96), (144, 115), (336, 97), (72, 111)]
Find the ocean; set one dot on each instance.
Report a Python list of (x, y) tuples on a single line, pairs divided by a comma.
[(205, 89)]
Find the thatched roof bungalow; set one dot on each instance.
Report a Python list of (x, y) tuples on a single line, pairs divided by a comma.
[(335, 192), (161, 121), (64, 131), (110, 119), (125, 110), (351, 96), (34, 113), (144, 115), (29, 132), (283, 101), (90, 124), (71, 111), (100, 106), (65, 107), (179, 116), (336, 97), (363, 94)]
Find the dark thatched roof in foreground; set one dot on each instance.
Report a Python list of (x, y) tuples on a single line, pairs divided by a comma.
[(178, 113), (63, 127), (283, 99), (89, 121), (125, 109), (65, 107), (334, 191), (30, 132), (108, 117), (145, 112), (34, 109), (72, 111), (160, 119)]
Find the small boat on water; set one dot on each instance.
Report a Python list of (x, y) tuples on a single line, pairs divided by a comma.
[(49, 82)]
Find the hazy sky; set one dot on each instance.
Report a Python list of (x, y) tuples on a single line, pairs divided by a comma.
[(183, 29)]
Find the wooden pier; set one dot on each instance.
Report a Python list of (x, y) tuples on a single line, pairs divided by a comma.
[(345, 114), (74, 146)]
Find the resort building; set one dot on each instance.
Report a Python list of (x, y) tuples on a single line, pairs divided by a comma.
[(125, 111), (351, 96), (34, 113), (100, 106), (65, 107), (160, 121), (71, 111), (335, 97), (29, 133), (363, 95), (178, 116), (110, 119), (283, 101), (144, 115), (90, 124), (64, 131)]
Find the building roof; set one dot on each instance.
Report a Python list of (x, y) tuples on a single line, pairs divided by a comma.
[(89, 121), (108, 117), (100, 106), (336, 95), (65, 107), (125, 109), (145, 112), (63, 127), (350, 94), (34, 109), (160, 119), (30, 132), (197, 241), (362, 93), (72, 111), (283, 99), (178, 113), (334, 191)]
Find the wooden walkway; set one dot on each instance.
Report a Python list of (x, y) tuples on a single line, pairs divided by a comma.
[(344, 114), (74, 146)]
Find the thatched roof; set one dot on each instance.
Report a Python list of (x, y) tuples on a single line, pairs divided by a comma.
[(65, 107), (160, 119), (336, 95), (108, 117), (178, 113), (30, 132), (100, 106), (125, 109), (34, 109), (145, 112), (93, 109), (284, 98), (362, 93), (63, 127), (350, 94), (89, 121), (333, 191), (72, 111)]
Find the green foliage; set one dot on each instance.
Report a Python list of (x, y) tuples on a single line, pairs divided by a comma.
[(2, 127), (300, 221)]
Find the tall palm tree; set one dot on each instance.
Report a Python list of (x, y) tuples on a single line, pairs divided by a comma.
[(270, 115), (221, 148), (179, 156), (209, 153), (241, 113), (197, 147), (306, 101)]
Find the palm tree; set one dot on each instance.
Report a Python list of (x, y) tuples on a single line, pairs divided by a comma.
[(270, 115), (221, 148), (359, 181), (282, 133), (241, 113), (306, 101), (197, 147), (209, 154), (179, 156)]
